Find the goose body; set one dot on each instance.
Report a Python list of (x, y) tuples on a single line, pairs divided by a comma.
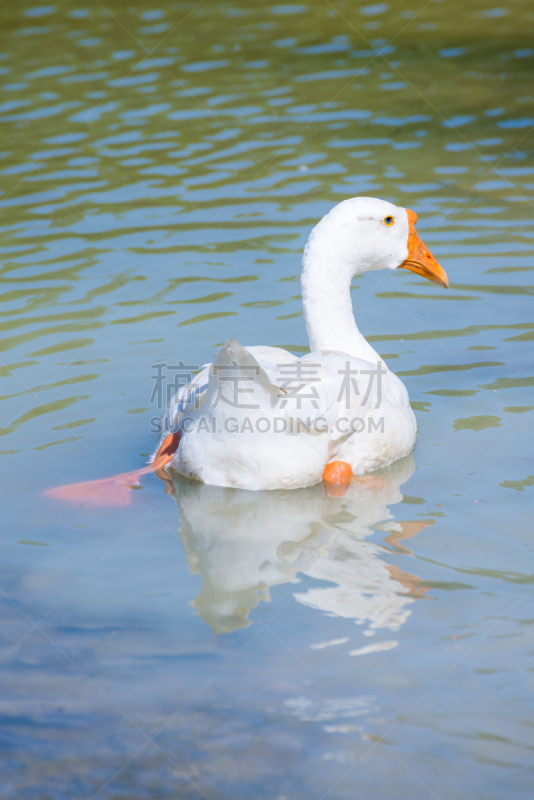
[(261, 418)]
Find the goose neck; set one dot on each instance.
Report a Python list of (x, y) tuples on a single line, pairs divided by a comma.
[(328, 311)]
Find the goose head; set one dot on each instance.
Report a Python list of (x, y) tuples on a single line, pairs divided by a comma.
[(356, 236), (363, 234)]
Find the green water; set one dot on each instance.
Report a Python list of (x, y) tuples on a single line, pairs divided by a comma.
[(161, 167)]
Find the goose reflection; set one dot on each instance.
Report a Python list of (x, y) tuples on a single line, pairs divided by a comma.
[(242, 543)]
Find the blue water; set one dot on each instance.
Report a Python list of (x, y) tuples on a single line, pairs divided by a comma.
[(160, 171)]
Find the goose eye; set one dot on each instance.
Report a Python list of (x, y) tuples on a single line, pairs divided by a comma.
[(388, 220)]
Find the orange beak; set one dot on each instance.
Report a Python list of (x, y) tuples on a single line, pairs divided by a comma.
[(420, 260)]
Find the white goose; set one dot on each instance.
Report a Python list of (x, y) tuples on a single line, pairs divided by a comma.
[(261, 418)]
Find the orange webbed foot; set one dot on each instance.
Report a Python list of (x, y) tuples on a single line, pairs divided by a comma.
[(116, 491), (168, 448), (337, 477)]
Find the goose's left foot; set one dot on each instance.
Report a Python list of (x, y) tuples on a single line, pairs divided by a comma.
[(165, 453), (116, 491), (337, 477)]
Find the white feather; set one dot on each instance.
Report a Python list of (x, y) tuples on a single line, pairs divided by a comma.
[(275, 438)]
